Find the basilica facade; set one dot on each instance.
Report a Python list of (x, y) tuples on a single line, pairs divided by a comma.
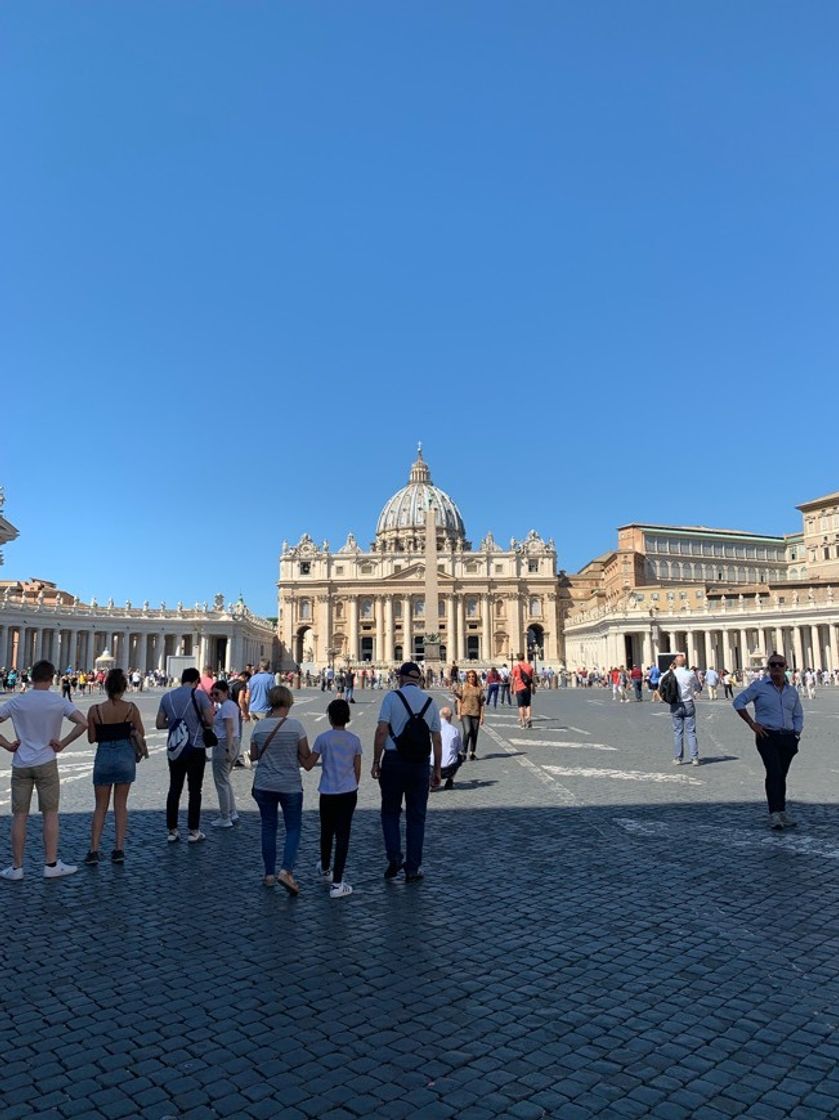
[(358, 606)]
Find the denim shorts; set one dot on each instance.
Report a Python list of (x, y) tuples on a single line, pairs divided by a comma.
[(114, 764)]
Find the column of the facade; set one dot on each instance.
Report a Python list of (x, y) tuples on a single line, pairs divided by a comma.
[(833, 632), (407, 630), (708, 650), (324, 627), (352, 607), (450, 627), (647, 645), (815, 641), (389, 643), (378, 610), (486, 628), (727, 650), (798, 647), (691, 648), (744, 649), (461, 628)]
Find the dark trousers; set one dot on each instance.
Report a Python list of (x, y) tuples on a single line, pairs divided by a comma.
[(777, 749), (492, 695), (469, 733), (505, 694), (190, 766), (409, 780), (336, 810)]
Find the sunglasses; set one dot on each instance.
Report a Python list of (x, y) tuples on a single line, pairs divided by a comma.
[(777, 665)]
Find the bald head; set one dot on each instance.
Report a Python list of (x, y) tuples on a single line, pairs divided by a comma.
[(446, 714)]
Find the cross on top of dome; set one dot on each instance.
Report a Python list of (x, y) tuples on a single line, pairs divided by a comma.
[(419, 470)]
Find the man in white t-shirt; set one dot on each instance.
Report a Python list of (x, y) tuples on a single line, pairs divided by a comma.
[(452, 754), (37, 716)]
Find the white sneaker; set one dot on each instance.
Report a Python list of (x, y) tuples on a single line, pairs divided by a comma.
[(696, 761), (13, 874), (325, 875), (776, 821), (677, 762), (340, 890), (196, 836), (234, 818), (221, 822), (59, 871), (788, 820), (173, 836)]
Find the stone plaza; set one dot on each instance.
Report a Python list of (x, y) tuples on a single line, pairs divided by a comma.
[(598, 934)]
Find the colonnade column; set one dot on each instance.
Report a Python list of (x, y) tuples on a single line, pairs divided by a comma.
[(815, 640), (833, 631), (691, 650), (648, 648), (798, 646), (461, 628)]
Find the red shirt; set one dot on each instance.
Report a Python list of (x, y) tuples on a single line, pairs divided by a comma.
[(518, 683), (636, 674)]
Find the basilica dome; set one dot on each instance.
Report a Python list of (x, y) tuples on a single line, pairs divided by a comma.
[(402, 521)]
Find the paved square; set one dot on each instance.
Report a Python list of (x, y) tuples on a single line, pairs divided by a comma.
[(599, 934)]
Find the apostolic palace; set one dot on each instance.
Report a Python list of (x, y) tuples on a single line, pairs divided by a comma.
[(725, 597)]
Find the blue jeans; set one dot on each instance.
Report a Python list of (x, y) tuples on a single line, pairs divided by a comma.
[(292, 807), (492, 695), (409, 780), (683, 715)]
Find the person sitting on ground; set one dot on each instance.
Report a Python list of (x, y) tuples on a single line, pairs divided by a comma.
[(453, 755), (340, 752)]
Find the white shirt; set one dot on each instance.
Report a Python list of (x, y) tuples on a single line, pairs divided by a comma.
[(37, 717), (452, 745), (504, 673), (226, 710), (687, 684)]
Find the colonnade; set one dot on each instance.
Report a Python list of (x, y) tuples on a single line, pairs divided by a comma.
[(742, 644), (78, 646)]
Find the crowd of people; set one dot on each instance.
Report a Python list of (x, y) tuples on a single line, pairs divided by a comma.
[(417, 747)]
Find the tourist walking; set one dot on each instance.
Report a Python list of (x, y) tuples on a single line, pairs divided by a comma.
[(115, 725), (257, 703), (470, 709), (504, 686), (186, 712), (678, 688), (280, 747), (37, 716), (407, 732), (522, 684), (350, 693), (636, 675), (777, 726), (225, 753), (493, 684), (712, 679), (340, 754)]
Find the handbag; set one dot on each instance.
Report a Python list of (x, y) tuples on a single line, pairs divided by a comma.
[(209, 736)]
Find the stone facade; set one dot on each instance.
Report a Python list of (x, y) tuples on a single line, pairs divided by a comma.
[(361, 606), (724, 598)]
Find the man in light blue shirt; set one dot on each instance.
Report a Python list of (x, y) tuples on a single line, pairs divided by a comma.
[(778, 723)]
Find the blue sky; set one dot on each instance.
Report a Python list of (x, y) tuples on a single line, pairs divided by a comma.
[(252, 252)]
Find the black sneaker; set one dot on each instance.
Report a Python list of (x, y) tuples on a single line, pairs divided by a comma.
[(449, 783), (92, 858), (117, 856), (417, 877), (393, 869)]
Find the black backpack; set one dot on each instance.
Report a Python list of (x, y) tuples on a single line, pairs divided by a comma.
[(414, 740), (668, 688)]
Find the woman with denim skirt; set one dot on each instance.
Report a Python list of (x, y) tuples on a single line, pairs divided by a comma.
[(279, 746)]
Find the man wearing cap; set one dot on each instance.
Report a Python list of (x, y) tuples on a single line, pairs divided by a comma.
[(400, 778)]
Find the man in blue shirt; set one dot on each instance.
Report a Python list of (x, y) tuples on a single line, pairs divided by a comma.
[(778, 723)]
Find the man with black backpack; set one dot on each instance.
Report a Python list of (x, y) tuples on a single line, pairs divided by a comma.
[(678, 689), (407, 733)]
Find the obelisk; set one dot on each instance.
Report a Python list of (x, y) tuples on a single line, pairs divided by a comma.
[(431, 645)]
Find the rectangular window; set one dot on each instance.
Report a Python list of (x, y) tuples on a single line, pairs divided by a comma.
[(339, 569), (499, 569), (533, 565)]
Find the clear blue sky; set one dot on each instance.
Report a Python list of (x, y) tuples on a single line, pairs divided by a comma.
[(252, 252)]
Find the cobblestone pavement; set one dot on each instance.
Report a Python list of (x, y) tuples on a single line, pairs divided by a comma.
[(599, 934)]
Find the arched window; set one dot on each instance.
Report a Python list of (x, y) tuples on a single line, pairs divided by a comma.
[(339, 610)]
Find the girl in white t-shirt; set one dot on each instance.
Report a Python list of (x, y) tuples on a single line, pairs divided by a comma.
[(225, 753), (340, 751)]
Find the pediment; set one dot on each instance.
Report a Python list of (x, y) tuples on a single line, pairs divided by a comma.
[(415, 572)]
